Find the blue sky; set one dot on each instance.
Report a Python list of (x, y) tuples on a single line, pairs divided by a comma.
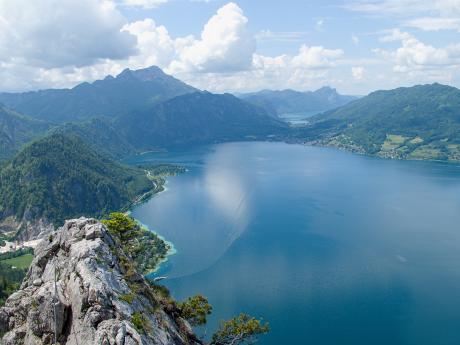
[(355, 46), (298, 20)]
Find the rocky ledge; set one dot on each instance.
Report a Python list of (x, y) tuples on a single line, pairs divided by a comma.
[(81, 287)]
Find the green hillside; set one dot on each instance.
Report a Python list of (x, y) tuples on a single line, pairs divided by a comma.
[(198, 118), (420, 122), (100, 135), (135, 111), (60, 177)]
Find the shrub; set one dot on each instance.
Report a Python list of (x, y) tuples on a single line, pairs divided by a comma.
[(195, 310), (128, 298), (139, 322)]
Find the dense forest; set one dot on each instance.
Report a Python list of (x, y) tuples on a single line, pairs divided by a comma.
[(60, 177)]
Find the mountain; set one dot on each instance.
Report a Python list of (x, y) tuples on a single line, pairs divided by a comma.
[(60, 177), (17, 129), (140, 110), (198, 118), (419, 122), (100, 135), (102, 298), (290, 101), (128, 91)]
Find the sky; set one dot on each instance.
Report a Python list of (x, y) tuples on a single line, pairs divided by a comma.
[(232, 46)]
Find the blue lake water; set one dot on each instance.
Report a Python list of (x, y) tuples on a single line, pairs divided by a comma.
[(298, 119), (331, 248)]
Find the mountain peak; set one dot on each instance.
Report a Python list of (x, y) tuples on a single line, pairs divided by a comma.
[(290, 101), (143, 74), (326, 90), (112, 96)]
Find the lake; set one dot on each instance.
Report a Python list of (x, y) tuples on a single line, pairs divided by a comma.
[(298, 119), (329, 247)]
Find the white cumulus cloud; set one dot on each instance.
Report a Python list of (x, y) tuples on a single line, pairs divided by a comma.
[(58, 33), (155, 45), (316, 57), (225, 44), (416, 55), (222, 58)]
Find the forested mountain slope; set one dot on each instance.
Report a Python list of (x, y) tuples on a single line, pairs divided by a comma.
[(111, 96), (61, 177), (419, 122)]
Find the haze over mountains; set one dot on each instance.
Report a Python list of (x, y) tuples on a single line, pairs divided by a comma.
[(290, 101), (136, 110), (111, 96), (148, 109)]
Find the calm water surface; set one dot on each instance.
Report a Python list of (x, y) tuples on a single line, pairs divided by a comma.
[(298, 118), (331, 248)]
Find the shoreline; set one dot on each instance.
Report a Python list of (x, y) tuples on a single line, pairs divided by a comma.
[(172, 250), (375, 156)]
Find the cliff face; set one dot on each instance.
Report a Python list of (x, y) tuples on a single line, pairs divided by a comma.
[(100, 298), (27, 230)]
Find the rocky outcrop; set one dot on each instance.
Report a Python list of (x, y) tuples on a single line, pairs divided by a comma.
[(82, 287), (26, 230)]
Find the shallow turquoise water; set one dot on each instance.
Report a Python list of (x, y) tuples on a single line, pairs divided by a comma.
[(329, 247)]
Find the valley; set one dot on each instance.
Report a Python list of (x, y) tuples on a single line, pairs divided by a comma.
[(243, 172), (202, 172)]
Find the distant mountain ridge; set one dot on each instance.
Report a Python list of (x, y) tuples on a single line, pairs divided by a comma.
[(290, 101), (142, 109), (419, 122), (198, 118), (147, 109), (111, 96)]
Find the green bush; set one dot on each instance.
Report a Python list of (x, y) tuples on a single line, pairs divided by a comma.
[(239, 330), (128, 298), (10, 280), (139, 322), (195, 310)]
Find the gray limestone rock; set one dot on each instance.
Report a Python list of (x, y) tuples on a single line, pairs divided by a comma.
[(85, 303)]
